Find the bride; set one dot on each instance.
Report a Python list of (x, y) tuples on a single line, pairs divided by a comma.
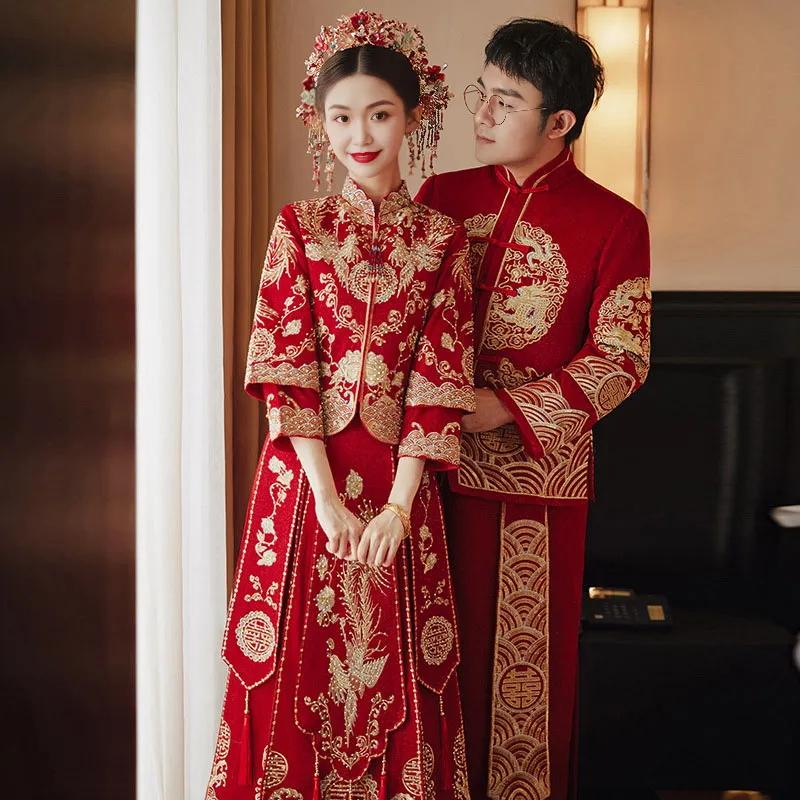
[(341, 636)]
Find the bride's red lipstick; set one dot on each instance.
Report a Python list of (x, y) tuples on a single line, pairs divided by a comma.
[(365, 158)]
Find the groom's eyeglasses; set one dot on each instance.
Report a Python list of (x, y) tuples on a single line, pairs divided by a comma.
[(474, 98)]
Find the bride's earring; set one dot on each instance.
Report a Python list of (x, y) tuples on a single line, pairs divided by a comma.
[(330, 160)]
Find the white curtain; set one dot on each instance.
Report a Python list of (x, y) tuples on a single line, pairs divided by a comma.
[(180, 470)]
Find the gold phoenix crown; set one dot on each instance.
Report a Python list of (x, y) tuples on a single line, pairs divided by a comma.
[(367, 27)]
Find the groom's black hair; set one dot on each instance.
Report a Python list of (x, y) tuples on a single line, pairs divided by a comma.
[(562, 65)]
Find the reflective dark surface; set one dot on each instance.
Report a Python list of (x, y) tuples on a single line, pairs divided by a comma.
[(67, 399)]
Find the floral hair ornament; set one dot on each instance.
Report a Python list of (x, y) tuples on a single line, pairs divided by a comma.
[(367, 27)]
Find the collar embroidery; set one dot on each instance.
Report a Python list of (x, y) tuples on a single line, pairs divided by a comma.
[(393, 203)]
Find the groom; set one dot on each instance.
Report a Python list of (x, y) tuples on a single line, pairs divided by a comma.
[(562, 324)]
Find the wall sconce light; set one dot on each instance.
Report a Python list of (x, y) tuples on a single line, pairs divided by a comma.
[(614, 146)]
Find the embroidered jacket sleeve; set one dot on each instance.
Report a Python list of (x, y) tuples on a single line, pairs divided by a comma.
[(615, 359), (440, 387), (282, 367)]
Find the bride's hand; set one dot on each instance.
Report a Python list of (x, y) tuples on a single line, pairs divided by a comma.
[(342, 527), (380, 540)]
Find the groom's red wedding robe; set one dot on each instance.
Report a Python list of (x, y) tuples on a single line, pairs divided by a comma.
[(562, 331)]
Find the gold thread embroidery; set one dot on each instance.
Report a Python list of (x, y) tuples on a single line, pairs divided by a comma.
[(460, 780), (383, 418), (504, 375), (603, 382), (539, 278), (358, 198), (413, 241), (428, 768), (462, 269), (332, 787), (266, 540), (350, 677), (444, 301), (412, 776), (255, 636), (426, 554), (266, 537), (363, 664), (336, 411), (304, 377), (623, 324), (275, 767), (435, 598), (424, 392), (496, 461), (518, 760), (287, 420), (286, 794), (435, 446), (552, 419), (437, 640), (325, 599), (282, 253), (479, 225), (353, 485), (219, 772), (425, 254), (259, 595), (265, 362)]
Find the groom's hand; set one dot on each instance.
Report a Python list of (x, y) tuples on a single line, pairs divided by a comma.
[(490, 413)]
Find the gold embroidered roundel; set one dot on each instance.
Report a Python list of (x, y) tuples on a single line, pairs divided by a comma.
[(502, 441), (365, 788), (412, 777), (286, 794), (538, 278), (275, 767), (255, 636), (613, 389), (521, 686), (437, 640)]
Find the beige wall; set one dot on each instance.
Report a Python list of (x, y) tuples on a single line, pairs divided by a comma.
[(725, 164), (724, 196), (455, 33)]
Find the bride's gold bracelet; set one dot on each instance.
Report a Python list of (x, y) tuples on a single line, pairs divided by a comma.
[(401, 514)]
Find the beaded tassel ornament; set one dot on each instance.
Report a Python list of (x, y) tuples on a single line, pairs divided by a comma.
[(367, 27)]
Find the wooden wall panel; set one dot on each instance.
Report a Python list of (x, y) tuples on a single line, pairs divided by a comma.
[(67, 404)]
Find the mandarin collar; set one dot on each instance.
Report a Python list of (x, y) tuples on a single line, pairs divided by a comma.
[(393, 202), (553, 174)]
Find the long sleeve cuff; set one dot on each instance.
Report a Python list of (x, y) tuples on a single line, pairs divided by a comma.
[(533, 447), (549, 413), (433, 434), (292, 411)]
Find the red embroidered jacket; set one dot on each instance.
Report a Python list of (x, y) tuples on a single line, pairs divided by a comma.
[(368, 314), (561, 275)]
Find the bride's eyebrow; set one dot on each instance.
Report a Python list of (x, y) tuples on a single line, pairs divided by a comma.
[(338, 107)]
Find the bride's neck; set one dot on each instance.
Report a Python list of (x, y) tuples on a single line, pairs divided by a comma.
[(377, 187)]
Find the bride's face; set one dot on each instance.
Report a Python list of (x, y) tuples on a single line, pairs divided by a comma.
[(366, 122)]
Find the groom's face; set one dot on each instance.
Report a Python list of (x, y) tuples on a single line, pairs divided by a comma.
[(521, 133)]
